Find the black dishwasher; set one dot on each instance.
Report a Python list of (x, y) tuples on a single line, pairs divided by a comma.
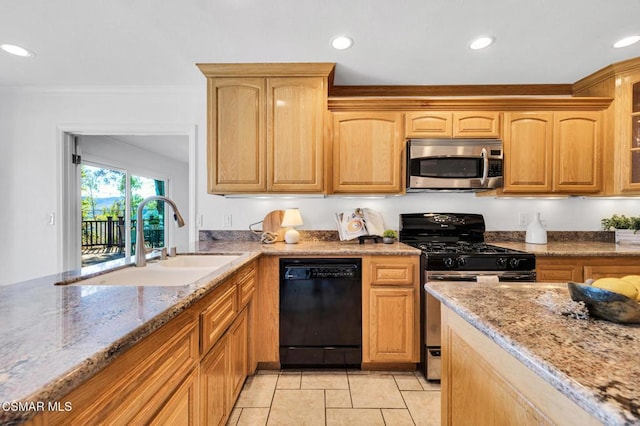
[(320, 312)]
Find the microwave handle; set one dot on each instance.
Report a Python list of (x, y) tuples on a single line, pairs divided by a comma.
[(485, 166)]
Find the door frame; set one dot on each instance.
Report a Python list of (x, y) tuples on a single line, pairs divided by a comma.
[(69, 180)]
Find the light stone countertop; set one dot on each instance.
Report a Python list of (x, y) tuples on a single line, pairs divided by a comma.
[(573, 248), (593, 362), (310, 248), (56, 337)]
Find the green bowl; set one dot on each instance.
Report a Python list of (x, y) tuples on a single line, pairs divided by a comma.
[(605, 304)]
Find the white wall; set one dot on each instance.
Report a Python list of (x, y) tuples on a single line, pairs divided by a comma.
[(29, 120)]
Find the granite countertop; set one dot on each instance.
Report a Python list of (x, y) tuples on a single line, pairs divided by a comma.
[(573, 248), (56, 337), (309, 248), (593, 362)]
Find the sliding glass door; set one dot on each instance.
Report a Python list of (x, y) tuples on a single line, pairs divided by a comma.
[(109, 203)]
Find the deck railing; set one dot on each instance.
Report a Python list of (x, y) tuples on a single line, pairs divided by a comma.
[(110, 233)]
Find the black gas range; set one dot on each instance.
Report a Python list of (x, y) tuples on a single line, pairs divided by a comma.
[(454, 249)]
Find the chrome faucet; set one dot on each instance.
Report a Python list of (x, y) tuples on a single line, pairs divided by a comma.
[(141, 259)]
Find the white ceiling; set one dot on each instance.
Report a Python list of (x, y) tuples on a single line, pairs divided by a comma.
[(157, 42)]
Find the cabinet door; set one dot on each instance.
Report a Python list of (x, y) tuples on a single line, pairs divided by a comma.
[(183, 407), (295, 138), (472, 124), (391, 324), (428, 124), (236, 135), (629, 131), (560, 272), (367, 152), (528, 153), (238, 358), (577, 160), (214, 395)]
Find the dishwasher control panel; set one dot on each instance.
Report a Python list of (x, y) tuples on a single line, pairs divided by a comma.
[(306, 272)]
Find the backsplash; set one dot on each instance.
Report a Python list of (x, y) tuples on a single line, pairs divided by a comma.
[(490, 236), (305, 235), (553, 236)]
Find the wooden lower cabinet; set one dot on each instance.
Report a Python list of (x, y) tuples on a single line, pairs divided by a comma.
[(223, 372), (188, 372), (390, 309), (482, 384), (139, 383), (581, 268), (182, 407), (213, 384)]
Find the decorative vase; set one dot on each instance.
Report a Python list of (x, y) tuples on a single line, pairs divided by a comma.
[(536, 234), (388, 240)]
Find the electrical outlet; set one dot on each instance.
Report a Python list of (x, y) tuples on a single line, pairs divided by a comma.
[(523, 219), (228, 220)]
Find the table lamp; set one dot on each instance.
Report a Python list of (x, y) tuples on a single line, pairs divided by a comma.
[(290, 220)]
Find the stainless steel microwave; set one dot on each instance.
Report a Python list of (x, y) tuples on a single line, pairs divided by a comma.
[(454, 164)]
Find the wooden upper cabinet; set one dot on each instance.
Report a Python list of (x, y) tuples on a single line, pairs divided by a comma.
[(577, 161), (428, 124), (528, 152), (629, 175), (237, 138), (476, 124), (367, 152), (553, 152), (295, 144), (465, 124), (266, 127)]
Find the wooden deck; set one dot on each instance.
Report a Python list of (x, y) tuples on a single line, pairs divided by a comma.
[(98, 254)]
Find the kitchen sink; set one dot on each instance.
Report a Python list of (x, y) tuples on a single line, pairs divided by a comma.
[(197, 261), (176, 271)]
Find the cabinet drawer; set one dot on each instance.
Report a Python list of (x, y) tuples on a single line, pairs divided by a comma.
[(247, 286), (218, 316), (560, 273), (392, 272)]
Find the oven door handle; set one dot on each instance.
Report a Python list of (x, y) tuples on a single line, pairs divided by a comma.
[(485, 166)]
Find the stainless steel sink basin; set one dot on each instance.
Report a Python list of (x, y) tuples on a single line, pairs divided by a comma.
[(177, 271)]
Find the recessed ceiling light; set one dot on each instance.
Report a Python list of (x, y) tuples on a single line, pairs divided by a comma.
[(341, 42), (627, 41), (17, 50), (481, 43)]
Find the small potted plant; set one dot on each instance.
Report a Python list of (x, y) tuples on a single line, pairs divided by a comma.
[(626, 228), (389, 236)]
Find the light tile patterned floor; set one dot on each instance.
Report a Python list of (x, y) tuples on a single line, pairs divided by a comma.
[(337, 397)]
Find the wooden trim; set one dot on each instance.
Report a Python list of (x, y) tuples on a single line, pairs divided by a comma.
[(461, 104), (388, 366), (307, 69), (605, 73), (455, 90)]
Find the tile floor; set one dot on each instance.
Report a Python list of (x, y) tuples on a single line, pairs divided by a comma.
[(337, 397)]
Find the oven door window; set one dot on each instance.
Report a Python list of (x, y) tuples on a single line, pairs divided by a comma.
[(447, 167)]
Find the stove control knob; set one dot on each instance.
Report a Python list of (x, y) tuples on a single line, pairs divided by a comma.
[(448, 262), (514, 262), (461, 261), (502, 262)]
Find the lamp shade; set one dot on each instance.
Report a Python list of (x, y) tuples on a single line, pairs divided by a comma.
[(291, 218)]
